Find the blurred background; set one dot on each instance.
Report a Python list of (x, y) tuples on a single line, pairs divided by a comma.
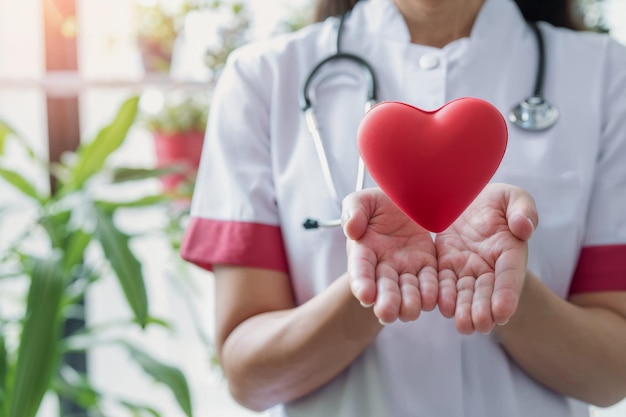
[(103, 106)]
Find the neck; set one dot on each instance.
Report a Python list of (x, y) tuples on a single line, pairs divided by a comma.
[(438, 22)]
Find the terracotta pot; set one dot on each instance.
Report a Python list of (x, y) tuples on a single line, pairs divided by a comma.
[(180, 150)]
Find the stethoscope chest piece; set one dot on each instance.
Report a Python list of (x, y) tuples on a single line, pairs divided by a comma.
[(535, 113)]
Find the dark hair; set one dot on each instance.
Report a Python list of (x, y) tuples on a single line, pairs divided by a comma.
[(556, 12), (327, 8)]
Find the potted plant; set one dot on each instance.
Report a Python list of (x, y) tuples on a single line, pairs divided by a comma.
[(177, 122), (231, 33), (50, 257), (158, 24), (156, 33), (177, 118)]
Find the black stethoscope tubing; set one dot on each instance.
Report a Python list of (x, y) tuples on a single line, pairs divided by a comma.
[(541, 60), (305, 100), (370, 74)]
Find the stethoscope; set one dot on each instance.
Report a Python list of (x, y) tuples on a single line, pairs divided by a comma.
[(534, 113)]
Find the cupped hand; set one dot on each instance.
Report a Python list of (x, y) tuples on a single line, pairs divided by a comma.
[(391, 260), (482, 258)]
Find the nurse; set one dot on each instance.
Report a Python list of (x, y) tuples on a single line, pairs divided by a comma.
[(291, 335)]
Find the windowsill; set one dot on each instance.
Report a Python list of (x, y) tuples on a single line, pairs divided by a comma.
[(70, 83)]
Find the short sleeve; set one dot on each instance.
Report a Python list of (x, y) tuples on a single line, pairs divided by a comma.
[(234, 216), (602, 261)]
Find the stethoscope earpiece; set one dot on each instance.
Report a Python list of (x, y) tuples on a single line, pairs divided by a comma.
[(534, 113)]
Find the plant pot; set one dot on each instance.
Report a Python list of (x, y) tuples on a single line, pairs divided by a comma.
[(156, 54), (180, 150)]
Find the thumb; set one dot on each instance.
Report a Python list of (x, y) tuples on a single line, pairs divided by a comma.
[(356, 210), (521, 213)]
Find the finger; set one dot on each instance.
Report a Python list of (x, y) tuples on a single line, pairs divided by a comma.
[(522, 227), (363, 290), (482, 318), (428, 287), (447, 297), (411, 302), (388, 296), (354, 221), (463, 313), (356, 210), (509, 281), (362, 273), (521, 213)]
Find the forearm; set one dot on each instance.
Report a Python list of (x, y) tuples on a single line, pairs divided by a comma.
[(577, 351), (279, 356)]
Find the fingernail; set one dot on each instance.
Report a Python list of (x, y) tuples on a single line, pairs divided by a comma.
[(366, 305), (345, 216), (532, 224), (384, 323)]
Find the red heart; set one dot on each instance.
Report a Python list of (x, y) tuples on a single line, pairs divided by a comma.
[(432, 164)]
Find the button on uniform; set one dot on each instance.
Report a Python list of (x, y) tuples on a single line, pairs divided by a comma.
[(429, 61)]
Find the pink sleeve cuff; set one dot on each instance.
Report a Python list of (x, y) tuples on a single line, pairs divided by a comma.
[(208, 242), (600, 268)]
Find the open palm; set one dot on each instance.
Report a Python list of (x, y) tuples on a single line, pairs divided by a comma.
[(482, 258), (474, 270), (391, 260)]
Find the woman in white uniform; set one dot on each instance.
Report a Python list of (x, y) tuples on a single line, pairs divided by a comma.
[(291, 335)]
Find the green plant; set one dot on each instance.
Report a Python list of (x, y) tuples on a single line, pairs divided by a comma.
[(70, 223), (156, 35), (231, 35), (176, 112), (157, 25)]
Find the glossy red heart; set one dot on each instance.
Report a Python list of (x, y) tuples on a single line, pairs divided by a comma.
[(433, 164)]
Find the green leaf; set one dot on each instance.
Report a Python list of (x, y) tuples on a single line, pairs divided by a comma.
[(38, 350), (145, 201), (82, 276), (5, 132), (72, 242), (76, 386), (55, 225), (181, 113), (165, 374), (115, 245), (96, 336), (4, 365), (21, 184), (77, 242), (139, 410), (160, 322), (137, 174), (92, 156)]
